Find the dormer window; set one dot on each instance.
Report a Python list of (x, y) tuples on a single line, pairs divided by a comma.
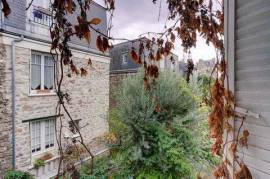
[(124, 58), (40, 12)]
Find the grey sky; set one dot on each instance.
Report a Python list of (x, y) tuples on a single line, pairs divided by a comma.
[(134, 17)]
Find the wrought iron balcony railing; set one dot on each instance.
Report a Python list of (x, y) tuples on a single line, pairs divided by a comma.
[(41, 16)]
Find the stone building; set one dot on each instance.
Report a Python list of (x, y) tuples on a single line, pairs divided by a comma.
[(122, 65), (205, 66), (122, 61), (27, 92)]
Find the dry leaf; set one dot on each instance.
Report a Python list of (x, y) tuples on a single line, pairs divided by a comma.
[(105, 43), (6, 10), (69, 6), (95, 21), (135, 56), (99, 44), (87, 36)]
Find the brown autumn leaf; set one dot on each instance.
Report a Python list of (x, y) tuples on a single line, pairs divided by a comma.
[(105, 43), (233, 148), (151, 56), (89, 63), (74, 68), (87, 36), (141, 49), (153, 71), (222, 171), (69, 6), (243, 141), (99, 44), (135, 56), (158, 55), (6, 9), (158, 109), (95, 21), (243, 172), (172, 37), (83, 72), (148, 44), (160, 42)]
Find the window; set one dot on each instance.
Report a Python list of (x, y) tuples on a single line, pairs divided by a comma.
[(124, 58), (42, 135), (42, 73), (42, 17), (40, 12)]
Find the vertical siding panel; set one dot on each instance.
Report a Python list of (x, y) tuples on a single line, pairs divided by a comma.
[(252, 79)]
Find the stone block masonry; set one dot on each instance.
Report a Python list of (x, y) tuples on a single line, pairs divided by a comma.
[(89, 101), (5, 116)]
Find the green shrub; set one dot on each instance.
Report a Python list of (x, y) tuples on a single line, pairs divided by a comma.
[(155, 130), (39, 163), (152, 145), (16, 174)]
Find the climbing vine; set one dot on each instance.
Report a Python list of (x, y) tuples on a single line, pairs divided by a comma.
[(192, 18)]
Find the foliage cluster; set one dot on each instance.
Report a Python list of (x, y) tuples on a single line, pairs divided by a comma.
[(17, 174), (39, 163), (154, 131)]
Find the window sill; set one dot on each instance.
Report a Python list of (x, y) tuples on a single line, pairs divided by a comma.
[(31, 167), (39, 153), (51, 93)]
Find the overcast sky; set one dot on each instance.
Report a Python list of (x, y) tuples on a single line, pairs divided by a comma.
[(134, 17)]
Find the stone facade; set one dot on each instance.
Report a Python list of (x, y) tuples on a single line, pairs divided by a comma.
[(89, 101), (115, 84), (5, 116)]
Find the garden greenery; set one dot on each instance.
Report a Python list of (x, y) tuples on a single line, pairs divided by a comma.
[(17, 174), (154, 131)]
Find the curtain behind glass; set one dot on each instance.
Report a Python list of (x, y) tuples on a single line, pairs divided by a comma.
[(48, 73), (36, 72)]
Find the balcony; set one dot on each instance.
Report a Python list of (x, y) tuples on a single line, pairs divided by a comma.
[(41, 16), (39, 21)]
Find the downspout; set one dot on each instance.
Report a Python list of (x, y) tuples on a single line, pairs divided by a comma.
[(13, 87)]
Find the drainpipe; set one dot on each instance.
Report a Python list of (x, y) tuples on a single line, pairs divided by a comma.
[(13, 86)]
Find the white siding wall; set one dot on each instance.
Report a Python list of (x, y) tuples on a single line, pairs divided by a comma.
[(251, 73)]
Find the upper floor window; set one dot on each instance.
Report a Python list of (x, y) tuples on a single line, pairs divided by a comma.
[(40, 12), (42, 135), (42, 73), (124, 58)]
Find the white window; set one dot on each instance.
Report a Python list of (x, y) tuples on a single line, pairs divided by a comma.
[(40, 12), (124, 58), (42, 135), (42, 73)]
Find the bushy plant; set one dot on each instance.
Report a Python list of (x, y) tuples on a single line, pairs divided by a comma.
[(155, 132), (17, 174), (39, 163), (154, 145)]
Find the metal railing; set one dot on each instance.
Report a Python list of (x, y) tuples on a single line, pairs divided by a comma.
[(41, 16)]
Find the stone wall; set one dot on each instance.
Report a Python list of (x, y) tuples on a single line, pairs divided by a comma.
[(89, 100), (5, 116), (115, 84)]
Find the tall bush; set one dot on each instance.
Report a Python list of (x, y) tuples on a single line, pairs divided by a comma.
[(156, 144), (155, 131)]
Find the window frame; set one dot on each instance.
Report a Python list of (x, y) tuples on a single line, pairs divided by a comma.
[(124, 54), (43, 148), (41, 91)]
